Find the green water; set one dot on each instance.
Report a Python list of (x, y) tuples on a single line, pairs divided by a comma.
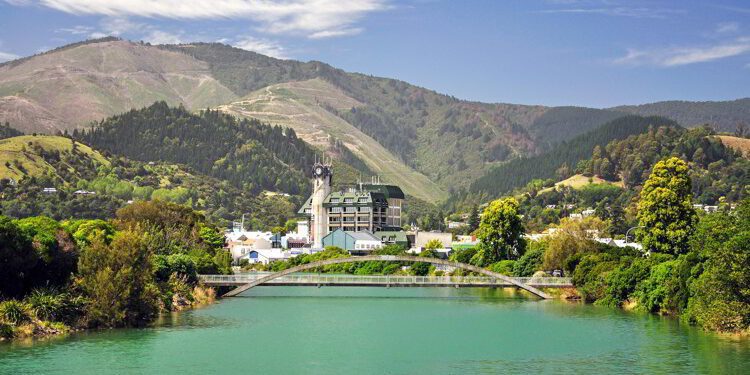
[(300, 330)]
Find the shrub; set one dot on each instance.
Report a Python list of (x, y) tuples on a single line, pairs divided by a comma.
[(391, 269), (503, 267), (656, 293), (45, 304), (531, 261), (14, 312), (6, 330)]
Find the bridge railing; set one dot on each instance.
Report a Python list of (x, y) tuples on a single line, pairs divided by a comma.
[(382, 279)]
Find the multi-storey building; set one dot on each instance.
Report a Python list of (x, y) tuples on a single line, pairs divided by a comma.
[(370, 207)]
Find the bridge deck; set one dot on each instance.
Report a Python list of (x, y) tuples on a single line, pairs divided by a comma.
[(383, 281)]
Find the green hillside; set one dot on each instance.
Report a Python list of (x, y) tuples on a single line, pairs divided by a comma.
[(722, 116), (430, 143), (561, 161), (38, 162), (30, 155), (310, 108)]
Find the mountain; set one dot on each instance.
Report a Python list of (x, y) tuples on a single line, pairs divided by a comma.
[(68, 87), (430, 143), (566, 155), (723, 116)]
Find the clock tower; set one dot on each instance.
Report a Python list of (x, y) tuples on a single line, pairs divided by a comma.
[(322, 176)]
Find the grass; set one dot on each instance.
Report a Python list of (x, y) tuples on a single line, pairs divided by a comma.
[(578, 181), (737, 143), (18, 151)]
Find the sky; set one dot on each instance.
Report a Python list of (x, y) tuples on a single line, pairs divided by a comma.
[(594, 53)]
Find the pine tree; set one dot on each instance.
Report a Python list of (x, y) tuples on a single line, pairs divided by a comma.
[(474, 219)]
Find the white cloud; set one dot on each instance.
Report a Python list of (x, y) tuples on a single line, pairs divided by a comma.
[(6, 56), (262, 46), (313, 18), (619, 11), (670, 57), (120, 25), (727, 28), (162, 37), (334, 33), (76, 30)]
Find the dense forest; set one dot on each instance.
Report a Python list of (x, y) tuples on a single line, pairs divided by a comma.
[(250, 155), (718, 174), (561, 161), (717, 171), (722, 116)]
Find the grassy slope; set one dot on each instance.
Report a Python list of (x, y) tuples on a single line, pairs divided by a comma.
[(18, 149), (578, 181), (299, 105), (741, 144)]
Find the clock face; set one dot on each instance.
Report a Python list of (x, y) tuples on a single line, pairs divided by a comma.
[(319, 171)]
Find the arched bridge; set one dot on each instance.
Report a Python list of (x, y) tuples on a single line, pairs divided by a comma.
[(493, 276)]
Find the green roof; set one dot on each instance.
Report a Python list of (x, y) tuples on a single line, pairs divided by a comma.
[(400, 236), (390, 191), (370, 198)]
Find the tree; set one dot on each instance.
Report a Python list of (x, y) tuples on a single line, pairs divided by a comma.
[(17, 258), (474, 219), (500, 233), (118, 281), (572, 238), (665, 210), (433, 245), (531, 261)]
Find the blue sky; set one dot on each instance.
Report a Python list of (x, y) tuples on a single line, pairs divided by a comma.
[(596, 53)]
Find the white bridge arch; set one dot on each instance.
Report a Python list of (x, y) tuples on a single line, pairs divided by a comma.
[(387, 258)]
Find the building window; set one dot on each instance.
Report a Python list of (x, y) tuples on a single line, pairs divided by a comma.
[(334, 200), (351, 209), (335, 210), (348, 200), (364, 209)]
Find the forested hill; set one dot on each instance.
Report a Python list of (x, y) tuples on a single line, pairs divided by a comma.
[(562, 159), (722, 116), (716, 170), (251, 155), (427, 142)]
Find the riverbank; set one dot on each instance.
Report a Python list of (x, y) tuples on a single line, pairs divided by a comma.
[(345, 330), (28, 319)]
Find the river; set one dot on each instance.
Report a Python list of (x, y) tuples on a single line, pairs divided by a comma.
[(341, 330)]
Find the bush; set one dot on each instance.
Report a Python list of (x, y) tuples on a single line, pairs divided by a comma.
[(420, 269), (657, 293), (181, 264), (503, 267), (6, 330), (391, 269), (14, 312), (45, 304), (531, 261)]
